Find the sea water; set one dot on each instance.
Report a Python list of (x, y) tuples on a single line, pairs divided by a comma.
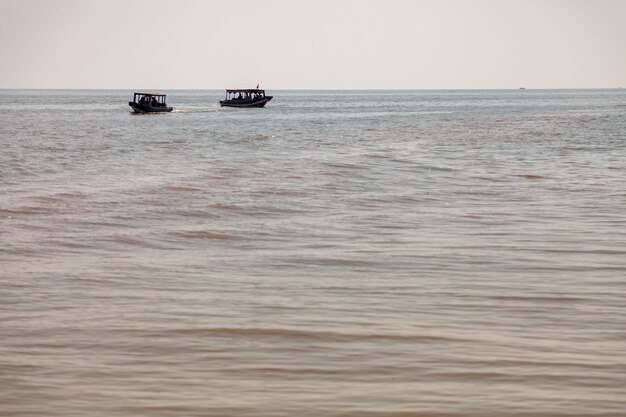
[(337, 253)]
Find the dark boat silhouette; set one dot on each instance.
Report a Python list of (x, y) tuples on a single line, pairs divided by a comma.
[(247, 97), (149, 103)]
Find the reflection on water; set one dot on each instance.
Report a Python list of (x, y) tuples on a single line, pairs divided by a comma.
[(363, 253)]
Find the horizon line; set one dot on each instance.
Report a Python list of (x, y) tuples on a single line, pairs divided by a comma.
[(318, 89)]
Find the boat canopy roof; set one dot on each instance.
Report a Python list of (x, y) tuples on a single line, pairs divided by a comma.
[(151, 94), (245, 90)]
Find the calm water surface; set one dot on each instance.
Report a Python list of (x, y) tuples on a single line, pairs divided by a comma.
[(365, 253)]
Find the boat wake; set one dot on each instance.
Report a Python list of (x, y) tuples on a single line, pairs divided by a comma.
[(196, 110)]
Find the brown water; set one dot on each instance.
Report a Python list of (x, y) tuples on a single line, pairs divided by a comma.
[(405, 253)]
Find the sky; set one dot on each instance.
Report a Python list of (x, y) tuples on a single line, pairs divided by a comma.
[(312, 44)]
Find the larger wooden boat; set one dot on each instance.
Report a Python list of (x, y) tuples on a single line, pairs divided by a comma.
[(149, 103), (247, 97)]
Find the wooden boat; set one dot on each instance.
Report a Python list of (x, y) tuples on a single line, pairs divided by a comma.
[(247, 97), (149, 103)]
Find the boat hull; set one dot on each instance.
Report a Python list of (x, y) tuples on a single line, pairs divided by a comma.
[(138, 108), (245, 103)]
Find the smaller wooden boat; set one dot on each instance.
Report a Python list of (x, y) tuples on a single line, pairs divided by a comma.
[(149, 103), (247, 97)]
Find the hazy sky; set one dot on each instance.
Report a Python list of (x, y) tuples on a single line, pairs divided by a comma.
[(170, 44)]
